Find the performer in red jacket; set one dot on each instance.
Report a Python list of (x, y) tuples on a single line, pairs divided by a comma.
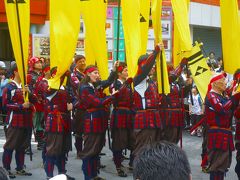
[(19, 121), (122, 120), (219, 111), (146, 102)]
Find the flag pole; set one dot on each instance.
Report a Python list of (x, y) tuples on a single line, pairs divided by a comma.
[(162, 74), (24, 75), (118, 29), (21, 44)]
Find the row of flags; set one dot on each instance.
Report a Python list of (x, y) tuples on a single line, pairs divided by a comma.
[(65, 25)]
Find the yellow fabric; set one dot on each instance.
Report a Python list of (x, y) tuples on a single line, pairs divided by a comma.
[(132, 33), (90, 59), (156, 19), (94, 16), (24, 17), (230, 35), (64, 29), (144, 23), (182, 37), (201, 73)]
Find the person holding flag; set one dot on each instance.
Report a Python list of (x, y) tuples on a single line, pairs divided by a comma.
[(145, 102), (172, 105), (58, 125), (218, 111), (19, 121)]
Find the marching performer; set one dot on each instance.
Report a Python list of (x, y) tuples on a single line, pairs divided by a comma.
[(19, 121), (35, 71), (121, 120), (94, 122), (146, 102), (76, 76), (58, 129), (219, 110), (172, 107)]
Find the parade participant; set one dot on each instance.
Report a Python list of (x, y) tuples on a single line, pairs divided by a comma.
[(76, 76), (94, 122), (146, 102), (35, 71), (219, 110), (236, 80), (19, 121), (172, 105), (121, 120), (58, 129)]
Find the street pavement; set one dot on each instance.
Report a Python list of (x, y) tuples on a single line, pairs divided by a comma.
[(191, 145)]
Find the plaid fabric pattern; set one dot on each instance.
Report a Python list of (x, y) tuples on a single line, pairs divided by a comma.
[(237, 134), (41, 88), (75, 79), (237, 120), (32, 77), (58, 118), (17, 116), (219, 115), (220, 139), (122, 116), (95, 117), (172, 117), (151, 97), (149, 118)]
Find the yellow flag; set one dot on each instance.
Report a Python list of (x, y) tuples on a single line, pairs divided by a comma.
[(177, 44), (20, 45), (162, 74), (197, 64), (90, 58), (64, 29), (94, 16), (230, 35), (132, 33), (144, 23)]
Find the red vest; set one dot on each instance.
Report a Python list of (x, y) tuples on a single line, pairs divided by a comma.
[(95, 118), (58, 118), (219, 116), (148, 117), (172, 109), (122, 116), (17, 116)]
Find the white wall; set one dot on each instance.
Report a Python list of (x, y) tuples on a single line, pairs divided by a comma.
[(204, 15)]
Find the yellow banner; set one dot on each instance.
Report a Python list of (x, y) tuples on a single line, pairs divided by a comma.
[(162, 77), (197, 64), (64, 30), (144, 23), (177, 43), (230, 35), (20, 45), (94, 16), (132, 33)]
